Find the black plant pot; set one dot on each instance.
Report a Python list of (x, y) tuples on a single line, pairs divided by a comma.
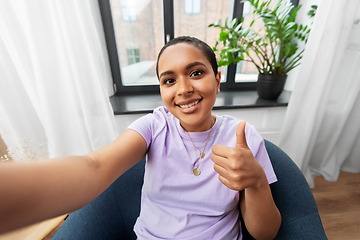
[(270, 87)]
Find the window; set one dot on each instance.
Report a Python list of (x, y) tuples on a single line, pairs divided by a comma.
[(133, 55), (247, 7), (136, 30), (192, 6), (128, 10)]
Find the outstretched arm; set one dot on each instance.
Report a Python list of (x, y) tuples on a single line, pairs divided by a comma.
[(239, 170), (32, 192)]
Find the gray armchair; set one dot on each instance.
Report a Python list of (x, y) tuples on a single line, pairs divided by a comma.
[(113, 214)]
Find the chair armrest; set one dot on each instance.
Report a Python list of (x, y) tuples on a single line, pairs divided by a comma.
[(294, 199)]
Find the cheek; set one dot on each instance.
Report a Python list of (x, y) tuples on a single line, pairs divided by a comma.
[(166, 95), (208, 87)]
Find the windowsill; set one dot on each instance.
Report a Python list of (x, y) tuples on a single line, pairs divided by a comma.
[(146, 103)]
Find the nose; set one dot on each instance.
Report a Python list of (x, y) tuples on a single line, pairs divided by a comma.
[(184, 86)]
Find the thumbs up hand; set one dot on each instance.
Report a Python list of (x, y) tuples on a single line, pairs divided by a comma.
[(237, 167)]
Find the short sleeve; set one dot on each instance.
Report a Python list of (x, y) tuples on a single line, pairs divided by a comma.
[(257, 146), (143, 127)]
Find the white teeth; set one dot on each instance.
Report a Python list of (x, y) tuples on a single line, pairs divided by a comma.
[(189, 105)]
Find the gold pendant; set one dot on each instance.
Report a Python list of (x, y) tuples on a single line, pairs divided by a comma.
[(196, 172), (202, 154)]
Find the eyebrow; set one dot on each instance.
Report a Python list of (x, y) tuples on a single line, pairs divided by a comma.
[(190, 65), (166, 73)]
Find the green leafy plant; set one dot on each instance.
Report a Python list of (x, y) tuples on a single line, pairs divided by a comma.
[(312, 11), (274, 48)]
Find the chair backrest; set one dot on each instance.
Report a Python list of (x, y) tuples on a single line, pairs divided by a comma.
[(113, 214), (294, 199)]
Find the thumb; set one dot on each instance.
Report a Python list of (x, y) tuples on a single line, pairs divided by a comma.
[(240, 136)]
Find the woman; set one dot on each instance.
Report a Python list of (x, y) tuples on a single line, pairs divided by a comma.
[(197, 163)]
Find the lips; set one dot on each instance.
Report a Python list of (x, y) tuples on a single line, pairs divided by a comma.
[(188, 104)]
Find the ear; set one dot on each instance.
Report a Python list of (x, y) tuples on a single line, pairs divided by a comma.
[(218, 80)]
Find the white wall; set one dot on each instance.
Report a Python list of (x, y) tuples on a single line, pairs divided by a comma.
[(268, 121)]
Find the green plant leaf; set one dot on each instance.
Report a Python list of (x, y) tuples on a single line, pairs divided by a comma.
[(234, 44), (230, 57), (252, 23), (248, 46), (294, 13), (295, 26), (238, 27), (223, 36), (234, 50), (226, 22), (233, 23), (238, 59)]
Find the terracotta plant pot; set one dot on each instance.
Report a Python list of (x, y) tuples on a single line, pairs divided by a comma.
[(269, 87)]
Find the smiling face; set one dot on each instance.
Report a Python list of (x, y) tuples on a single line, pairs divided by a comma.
[(188, 86)]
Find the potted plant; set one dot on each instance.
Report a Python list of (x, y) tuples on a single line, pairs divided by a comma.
[(272, 49)]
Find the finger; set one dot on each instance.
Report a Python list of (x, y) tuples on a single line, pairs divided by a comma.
[(220, 150), (240, 136), (228, 183), (219, 160), (220, 169)]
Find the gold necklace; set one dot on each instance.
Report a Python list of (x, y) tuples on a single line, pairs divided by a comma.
[(196, 170)]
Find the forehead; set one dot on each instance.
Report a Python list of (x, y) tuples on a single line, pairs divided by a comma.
[(181, 54)]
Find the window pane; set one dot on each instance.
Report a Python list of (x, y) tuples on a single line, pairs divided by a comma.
[(192, 6), (207, 12), (128, 10), (188, 6), (246, 10), (197, 7), (139, 36)]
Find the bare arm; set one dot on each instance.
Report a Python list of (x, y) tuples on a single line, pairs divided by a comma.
[(261, 216), (32, 192), (240, 171)]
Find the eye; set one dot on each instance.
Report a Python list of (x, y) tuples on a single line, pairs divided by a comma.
[(168, 81), (196, 73)]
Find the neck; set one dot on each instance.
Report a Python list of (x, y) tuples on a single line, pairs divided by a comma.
[(206, 126)]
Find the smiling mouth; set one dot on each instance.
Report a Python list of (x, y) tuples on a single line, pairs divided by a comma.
[(190, 104)]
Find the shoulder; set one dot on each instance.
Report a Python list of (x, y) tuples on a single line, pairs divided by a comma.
[(161, 113), (227, 128), (159, 116), (162, 118), (150, 125), (231, 123)]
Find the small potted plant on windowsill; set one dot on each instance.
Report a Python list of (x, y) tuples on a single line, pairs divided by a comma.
[(273, 49)]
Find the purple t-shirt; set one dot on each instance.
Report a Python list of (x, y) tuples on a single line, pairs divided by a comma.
[(175, 204)]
